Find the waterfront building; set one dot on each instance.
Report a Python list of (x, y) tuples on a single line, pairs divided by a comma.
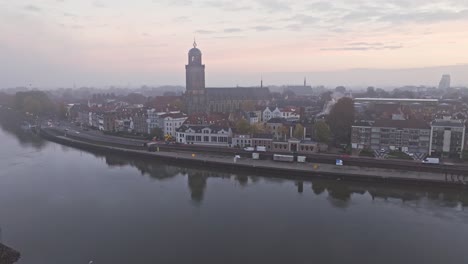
[(208, 135), (263, 140), (140, 124), (109, 121), (241, 141), (171, 122), (405, 135), (361, 135), (447, 138), (199, 99), (168, 122)]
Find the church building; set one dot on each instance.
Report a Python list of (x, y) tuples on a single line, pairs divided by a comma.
[(199, 99)]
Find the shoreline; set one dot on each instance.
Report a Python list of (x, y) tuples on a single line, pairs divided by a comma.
[(285, 170)]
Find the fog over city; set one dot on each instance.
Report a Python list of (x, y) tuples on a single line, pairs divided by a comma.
[(66, 43)]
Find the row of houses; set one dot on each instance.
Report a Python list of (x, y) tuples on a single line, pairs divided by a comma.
[(223, 136), (199, 129), (122, 120)]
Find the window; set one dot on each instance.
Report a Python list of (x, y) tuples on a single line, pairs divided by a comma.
[(206, 138), (198, 138)]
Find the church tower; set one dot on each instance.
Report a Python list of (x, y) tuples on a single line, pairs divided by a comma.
[(195, 81)]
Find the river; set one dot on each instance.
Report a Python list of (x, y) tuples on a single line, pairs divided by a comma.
[(63, 205)]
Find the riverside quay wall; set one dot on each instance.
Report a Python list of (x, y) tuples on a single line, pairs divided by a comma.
[(433, 176)]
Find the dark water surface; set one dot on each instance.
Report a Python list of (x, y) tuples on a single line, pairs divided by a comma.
[(63, 205)]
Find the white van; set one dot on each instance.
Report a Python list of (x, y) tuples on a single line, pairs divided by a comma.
[(431, 161), (261, 148)]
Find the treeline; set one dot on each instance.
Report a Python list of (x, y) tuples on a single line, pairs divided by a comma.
[(37, 103), (6, 99), (34, 102)]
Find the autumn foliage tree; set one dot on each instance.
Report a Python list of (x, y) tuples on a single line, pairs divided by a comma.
[(243, 126), (34, 102), (298, 131), (340, 120), (322, 132)]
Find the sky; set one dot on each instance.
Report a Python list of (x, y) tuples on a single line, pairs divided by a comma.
[(66, 43)]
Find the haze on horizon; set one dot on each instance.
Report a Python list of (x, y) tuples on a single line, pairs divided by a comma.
[(59, 43)]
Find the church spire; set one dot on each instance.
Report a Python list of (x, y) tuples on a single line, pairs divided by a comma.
[(305, 81), (261, 82)]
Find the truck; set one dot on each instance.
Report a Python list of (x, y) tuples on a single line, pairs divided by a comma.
[(284, 158), (301, 159), (431, 161)]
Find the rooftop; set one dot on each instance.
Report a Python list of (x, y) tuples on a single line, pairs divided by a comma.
[(396, 100), (401, 124), (448, 123)]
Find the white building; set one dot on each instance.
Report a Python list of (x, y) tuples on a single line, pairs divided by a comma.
[(171, 122), (288, 113), (447, 138), (208, 135), (253, 118), (241, 141), (167, 121)]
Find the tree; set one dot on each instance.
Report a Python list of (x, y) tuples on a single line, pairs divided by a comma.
[(326, 96), (299, 131), (157, 133), (283, 132), (6, 99), (340, 120), (243, 126), (397, 93), (257, 128), (381, 93), (135, 98), (62, 110), (35, 102), (340, 89), (371, 92), (322, 132)]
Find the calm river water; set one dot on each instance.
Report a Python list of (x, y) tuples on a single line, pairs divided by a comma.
[(63, 205)]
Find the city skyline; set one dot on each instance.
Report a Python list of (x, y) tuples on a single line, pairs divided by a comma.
[(58, 43)]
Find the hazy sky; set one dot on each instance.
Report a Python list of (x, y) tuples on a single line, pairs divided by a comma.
[(104, 42)]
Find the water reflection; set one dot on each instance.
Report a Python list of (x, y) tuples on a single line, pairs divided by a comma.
[(339, 193), (197, 184), (13, 123)]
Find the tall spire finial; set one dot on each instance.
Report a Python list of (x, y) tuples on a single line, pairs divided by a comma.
[(194, 42), (305, 81), (261, 81)]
